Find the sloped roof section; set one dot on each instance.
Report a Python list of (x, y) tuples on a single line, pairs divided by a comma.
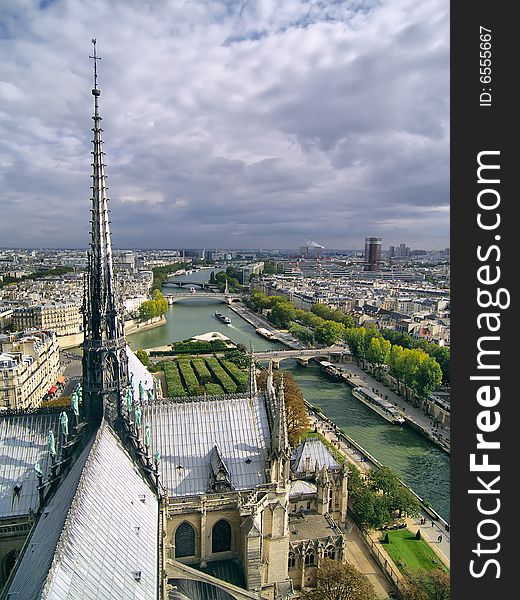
[(23, 443), (185, 434), (32, 571), (311, 453), (299, 488), (138, 373), (108, 548)]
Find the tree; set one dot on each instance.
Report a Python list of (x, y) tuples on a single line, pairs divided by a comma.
[(427, 585), (355, 337), (429, 376), (330, 332), (398, 498), (338, 581), (304, 334), (282, 314), (143, 357), (295, 410), (378, 351), (396, 364)]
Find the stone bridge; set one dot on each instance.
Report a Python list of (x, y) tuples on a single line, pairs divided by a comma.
[(200, 284), (303, 356), (177, 571), (227, 298)]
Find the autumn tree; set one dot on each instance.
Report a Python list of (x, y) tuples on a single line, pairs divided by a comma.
[(295, 410), (427, 585), (338, 581)]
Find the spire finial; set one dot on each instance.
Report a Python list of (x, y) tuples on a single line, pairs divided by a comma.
[(95, 58)]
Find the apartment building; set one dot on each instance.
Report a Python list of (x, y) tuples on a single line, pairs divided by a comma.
[(64, 318), (29, 368)]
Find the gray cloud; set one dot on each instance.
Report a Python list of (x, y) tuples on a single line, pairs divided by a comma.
[(228, 124)]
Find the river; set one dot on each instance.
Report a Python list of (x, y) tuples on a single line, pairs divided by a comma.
[(419, 462)]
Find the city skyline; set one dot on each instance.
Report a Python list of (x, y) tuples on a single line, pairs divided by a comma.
[(218, 126)]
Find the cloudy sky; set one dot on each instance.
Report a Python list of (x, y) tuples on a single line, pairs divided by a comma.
[(228, 124)]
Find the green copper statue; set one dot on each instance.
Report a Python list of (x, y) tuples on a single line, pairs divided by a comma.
[(64, 422), (51, 443), (138, 414), (147, 432)]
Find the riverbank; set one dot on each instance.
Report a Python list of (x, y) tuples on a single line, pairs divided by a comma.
[(65, 342), (433, 527), (354, 376)]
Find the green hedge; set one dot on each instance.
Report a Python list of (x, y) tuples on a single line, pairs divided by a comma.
[(239, 376), (229, 386), (213, 389), (191, 383), (201, 370), (173, 379)]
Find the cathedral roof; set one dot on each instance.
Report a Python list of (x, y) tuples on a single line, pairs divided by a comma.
[(23, 443), (98, 537), (186, 432), (311, 453)]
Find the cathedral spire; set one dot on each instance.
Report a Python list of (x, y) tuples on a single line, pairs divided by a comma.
[(105, 371)]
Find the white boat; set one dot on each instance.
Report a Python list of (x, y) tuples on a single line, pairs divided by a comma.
[(266, 333), (192, 290), (223, 318), (379, 405)]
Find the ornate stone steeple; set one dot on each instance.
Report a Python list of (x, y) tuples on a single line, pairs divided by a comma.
[(105, 363), (280, 449)]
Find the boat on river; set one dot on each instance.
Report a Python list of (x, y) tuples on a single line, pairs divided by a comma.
[(379, 405), (331, 371), (266, 333), (223, 318)]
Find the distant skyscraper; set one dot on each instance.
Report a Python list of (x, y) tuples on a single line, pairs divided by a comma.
[(372, 254)]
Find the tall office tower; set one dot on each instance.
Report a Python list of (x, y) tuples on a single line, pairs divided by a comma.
[(372, 254)]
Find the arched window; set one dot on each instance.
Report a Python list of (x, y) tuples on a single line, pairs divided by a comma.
[(330, 552), (184, 540), (7, 566), (221, 536), (309, 557), (291, 563)]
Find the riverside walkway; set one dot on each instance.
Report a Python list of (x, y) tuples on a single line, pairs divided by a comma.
[(431, 529), (432, 429)]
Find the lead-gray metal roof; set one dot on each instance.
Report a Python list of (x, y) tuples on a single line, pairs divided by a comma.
[(23, 443), (316, 453), (185, 433), (111, 532), (36, 561)]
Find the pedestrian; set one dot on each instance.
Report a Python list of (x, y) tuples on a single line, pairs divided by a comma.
[(433, 524), (439, 539)]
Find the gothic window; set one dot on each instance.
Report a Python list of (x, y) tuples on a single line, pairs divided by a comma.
[(184, 540), (221, 536), (291, 563), (309, 557), (7, 566), (330, 552)]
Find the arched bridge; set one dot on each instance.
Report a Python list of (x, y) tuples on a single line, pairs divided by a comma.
[(200, 284), (227, 298), (303, 356)]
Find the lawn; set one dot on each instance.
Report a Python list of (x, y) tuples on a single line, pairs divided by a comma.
[(411, 555)]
